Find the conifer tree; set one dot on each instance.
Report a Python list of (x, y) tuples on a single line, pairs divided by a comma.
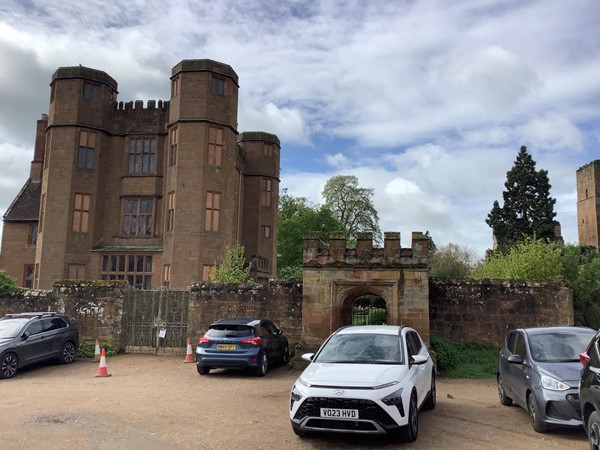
[(528, 209)]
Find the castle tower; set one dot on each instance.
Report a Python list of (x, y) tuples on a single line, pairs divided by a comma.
[(76, 135), (260, 200), (588, 204), (202, 172)]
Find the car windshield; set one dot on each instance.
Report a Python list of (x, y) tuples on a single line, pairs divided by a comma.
[(559, 347), (362, 349), (229, 331), (9, 328)]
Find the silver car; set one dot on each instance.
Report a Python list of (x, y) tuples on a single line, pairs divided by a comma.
[(539, 370)]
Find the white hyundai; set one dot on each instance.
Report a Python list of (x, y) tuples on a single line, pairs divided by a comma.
[(368, 379)]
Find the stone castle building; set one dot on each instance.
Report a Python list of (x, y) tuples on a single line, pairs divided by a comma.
[(153, 195), (588, 204)]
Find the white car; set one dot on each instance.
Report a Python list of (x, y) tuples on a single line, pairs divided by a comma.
[(370, 379)]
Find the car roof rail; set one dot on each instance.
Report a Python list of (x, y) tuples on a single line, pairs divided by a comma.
[(32, 314)]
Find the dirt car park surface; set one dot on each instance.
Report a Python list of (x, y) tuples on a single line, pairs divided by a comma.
[(159, 402)]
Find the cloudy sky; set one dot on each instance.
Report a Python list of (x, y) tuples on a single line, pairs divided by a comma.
[(425, 101)]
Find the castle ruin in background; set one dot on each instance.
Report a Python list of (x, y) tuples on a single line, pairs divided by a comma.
[(151, 195), (588, 204)]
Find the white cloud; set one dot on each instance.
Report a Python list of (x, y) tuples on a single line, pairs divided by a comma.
[(553, 131)]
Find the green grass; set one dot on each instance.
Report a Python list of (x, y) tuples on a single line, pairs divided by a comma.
[(465, 360)]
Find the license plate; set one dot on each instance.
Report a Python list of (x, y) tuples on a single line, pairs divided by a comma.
[(339, 413), (225, 346)]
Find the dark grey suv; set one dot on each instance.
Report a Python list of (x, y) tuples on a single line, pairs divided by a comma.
[(29, 338)]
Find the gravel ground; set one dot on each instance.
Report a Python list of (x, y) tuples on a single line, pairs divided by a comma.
[(158, 402)]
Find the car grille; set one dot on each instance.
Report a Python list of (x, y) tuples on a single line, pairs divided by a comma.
[(367, 409), (348, 425)]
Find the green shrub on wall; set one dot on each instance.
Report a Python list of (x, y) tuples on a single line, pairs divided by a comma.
[(8, 285), (88, 350), (465, 360)]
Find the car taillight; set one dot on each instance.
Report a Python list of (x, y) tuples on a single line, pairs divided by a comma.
[(584, 358), (203, 340), (252, 341)]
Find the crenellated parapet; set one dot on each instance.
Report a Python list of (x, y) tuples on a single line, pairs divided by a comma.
[(138, 105), (339, 254)]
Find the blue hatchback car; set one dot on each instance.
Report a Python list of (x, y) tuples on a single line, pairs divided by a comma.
[(242, 343)]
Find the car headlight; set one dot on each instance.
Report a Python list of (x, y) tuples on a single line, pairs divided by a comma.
[(394, 398), (553, 384), (302, 382), (295, 394)]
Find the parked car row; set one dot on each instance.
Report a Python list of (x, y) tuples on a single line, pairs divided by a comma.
[(366, 379), (554, 374)]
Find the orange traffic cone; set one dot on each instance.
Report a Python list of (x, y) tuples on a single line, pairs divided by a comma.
[(97, 351), (189, 356), (102, 372)]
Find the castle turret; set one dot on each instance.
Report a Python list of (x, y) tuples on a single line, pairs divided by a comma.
[(202, 173), (588, 204)]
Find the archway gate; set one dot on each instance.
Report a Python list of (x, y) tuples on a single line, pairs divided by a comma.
[(335, 275)]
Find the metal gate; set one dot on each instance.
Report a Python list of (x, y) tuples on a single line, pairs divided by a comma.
[(369, 310), (157, 321)]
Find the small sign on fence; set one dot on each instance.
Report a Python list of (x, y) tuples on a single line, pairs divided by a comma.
[(162, 333)]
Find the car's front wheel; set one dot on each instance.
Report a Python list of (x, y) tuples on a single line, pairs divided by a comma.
[(412, 430), (431, 399), (593, 428), (8, 365), (261, 369), (504, 399), (534, 414), (286, 355), (68, 352)]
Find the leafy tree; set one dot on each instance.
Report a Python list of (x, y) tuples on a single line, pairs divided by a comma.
[(8, 285), (528, 209), (232, 268), (586, 294), (352, 205), (297, 218), (529, 259), (451, 261)]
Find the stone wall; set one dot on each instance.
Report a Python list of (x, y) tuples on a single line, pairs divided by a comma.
[(465, 310), (483, 310)]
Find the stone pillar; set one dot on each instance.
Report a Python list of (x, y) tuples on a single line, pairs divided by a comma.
[(364, 245), (337, 246)]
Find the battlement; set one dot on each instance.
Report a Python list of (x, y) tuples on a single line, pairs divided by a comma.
[(162, 105), (338, 254)]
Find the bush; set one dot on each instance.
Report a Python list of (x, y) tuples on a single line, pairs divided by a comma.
[(8, 285), (465, 360), (88, 350)]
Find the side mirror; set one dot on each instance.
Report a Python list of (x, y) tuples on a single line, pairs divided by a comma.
[(308, 356), (25, 335), (419, 359), (515, 359)]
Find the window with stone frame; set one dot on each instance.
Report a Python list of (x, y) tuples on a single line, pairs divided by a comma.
[(42, 212), (173, 141), (266, 231), (76, 271), (266, 194), (213, 210), (85, 153), (138, 217), (206, 268), (215, 146), (47, 149), (81, 213), (135, 269), (175, 85), (142, 156), (217, 86), (170, 211), (167, 276), (36, 276), (268, 150), (91, 91), (28, 276), (33, 233)]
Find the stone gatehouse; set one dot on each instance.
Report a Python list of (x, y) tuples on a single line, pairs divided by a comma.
[(335, 275)]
